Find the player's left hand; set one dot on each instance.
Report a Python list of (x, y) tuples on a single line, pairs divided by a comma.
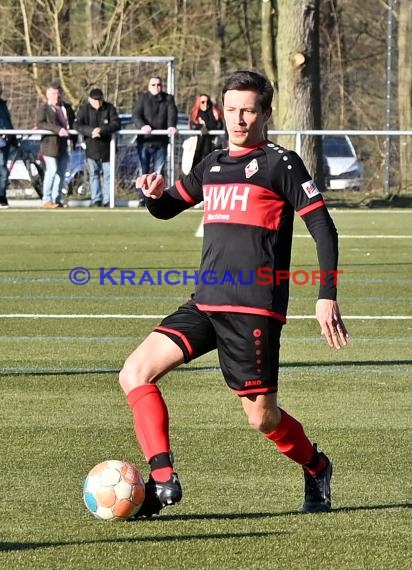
[(331, 323), (152, 185)]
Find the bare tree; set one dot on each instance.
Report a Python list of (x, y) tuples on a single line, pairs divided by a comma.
[(405, 92), (299, 76), (245, 30), (335, 80), (268, 43)]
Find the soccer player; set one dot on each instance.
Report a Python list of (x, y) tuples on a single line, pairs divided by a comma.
[(250, 192)]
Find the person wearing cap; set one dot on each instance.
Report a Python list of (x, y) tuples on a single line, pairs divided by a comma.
[(97, 120), (57, 116)]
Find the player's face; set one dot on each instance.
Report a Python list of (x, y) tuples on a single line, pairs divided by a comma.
[(245, 120)]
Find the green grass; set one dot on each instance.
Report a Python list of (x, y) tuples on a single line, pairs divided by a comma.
[(62, 411)]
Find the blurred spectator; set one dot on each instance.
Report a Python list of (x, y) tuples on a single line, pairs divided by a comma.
[(204, 116), (97, 120), (154, 110), (57, 116), (5, 142)]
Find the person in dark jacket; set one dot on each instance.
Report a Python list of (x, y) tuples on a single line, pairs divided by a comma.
[(97, 120), (204, 116), (154, 110), (5, 142), (57, 116)]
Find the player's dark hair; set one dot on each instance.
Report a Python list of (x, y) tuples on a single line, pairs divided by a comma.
[(244, 80)]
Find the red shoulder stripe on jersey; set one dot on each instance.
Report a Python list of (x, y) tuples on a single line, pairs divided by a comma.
[(184, 194), (240, 309), (182, 337), (310, 208), (254, 391)]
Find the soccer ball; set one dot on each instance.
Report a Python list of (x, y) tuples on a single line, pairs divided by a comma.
[(113, 490)]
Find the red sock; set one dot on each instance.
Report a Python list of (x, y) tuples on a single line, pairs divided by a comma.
[(291, 440), (151, 424)]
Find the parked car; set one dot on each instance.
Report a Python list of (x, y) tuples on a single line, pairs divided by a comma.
[(27, 168), (75, 180), (343, 168), (25, 165), (127, 164)]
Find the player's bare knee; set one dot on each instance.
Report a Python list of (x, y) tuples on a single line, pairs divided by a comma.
[(264, 422), (257, 422), (132, 375)]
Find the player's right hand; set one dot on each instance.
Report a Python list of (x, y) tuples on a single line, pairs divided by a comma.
[(152, 185)]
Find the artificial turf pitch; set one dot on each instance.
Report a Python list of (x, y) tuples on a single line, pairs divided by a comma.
[(62, 411)]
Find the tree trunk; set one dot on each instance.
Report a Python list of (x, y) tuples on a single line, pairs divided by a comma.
[(220, 31), (405, 92), (245, 29), (269, 34), (335, 79), (299, 77)]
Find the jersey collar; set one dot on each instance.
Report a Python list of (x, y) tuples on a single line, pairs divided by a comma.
[(247, 150)]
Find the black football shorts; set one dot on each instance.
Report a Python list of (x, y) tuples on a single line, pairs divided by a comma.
[(247, 345)]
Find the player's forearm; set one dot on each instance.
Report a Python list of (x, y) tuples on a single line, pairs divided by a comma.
[(165, 207), (323, 231)]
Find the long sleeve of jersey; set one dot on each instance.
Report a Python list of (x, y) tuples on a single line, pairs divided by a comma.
[(166, 207), (301, 192), (323, 231)]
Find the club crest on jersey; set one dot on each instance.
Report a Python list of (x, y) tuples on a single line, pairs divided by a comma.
[(251, 168), (310, 188)]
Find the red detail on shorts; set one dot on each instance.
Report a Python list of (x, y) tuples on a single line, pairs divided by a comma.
[(257, 390), (258, 342), (240, 309), (249, 383), (257, 333), (311, 207), (184, 193), (182, 337), (258, 352)]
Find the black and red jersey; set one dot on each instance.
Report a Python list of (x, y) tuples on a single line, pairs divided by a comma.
[(250, 198)]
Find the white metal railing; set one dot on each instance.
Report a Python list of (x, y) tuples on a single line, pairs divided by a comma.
[(188, 132)]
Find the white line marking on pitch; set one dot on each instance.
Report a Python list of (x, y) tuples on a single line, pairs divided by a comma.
[(362, 236), (150, 317)]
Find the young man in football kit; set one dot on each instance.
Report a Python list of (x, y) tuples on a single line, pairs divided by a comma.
[(250, 191)]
